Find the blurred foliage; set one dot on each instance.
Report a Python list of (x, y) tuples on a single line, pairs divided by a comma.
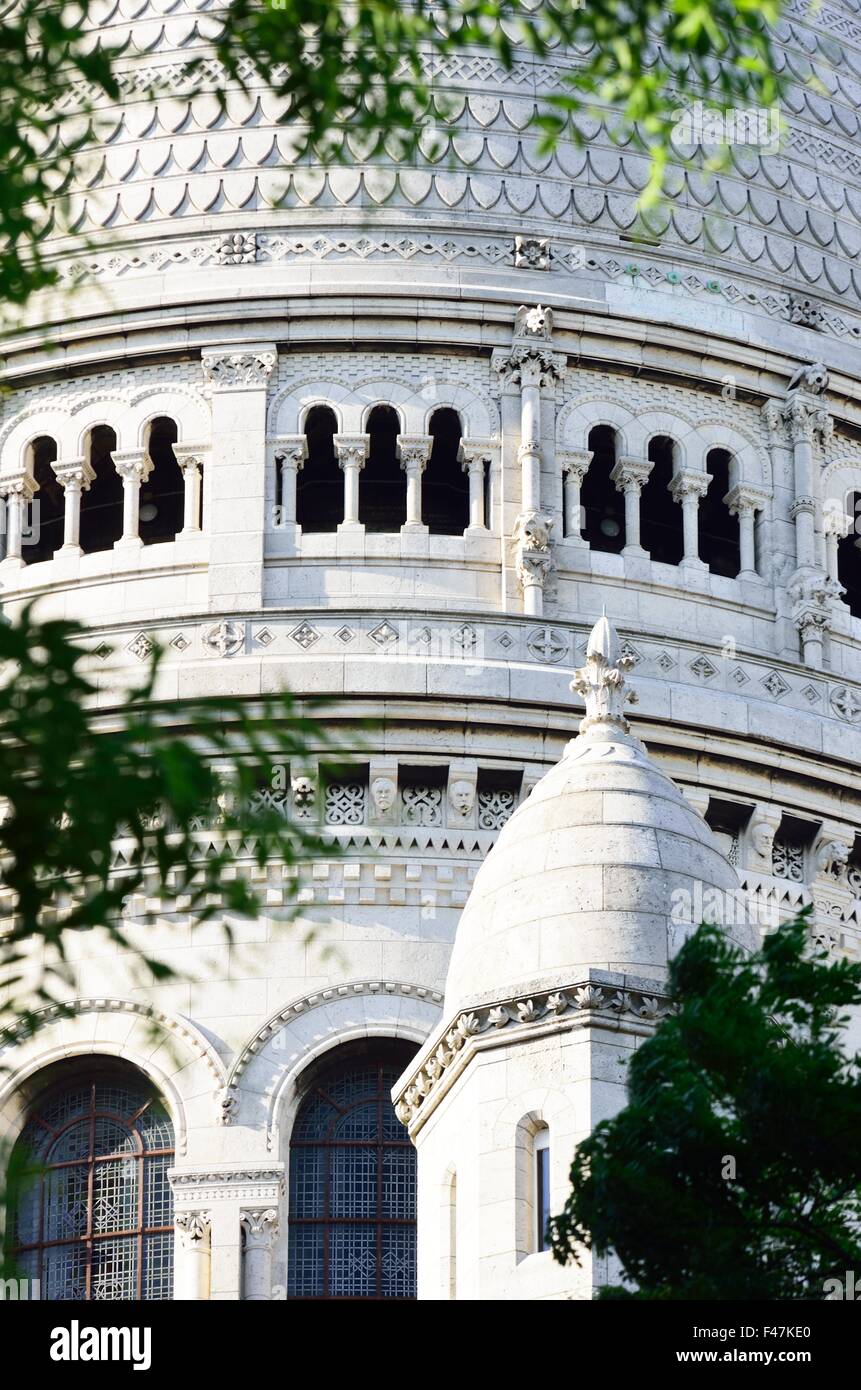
[(97, 805), (359, 64), (750, 1068)]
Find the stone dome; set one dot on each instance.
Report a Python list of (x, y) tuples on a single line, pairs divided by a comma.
[(177, 181), (604, 865)]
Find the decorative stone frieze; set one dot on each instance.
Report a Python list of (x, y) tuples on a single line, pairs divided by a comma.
[(597, 1000), (532, 253), (245, 369), (258, 1186)]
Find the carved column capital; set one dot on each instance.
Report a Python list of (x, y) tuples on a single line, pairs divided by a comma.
[(527, 365), (631, 474), (189, 455), (574, 463), (745, 501), (414, 451), (133, 465), (75, 475), (241, 368), (193, 1228), (291, 450), (476, 454), (352, 449), (835, 521), (260, 1227), (689, 483), (18, 485)]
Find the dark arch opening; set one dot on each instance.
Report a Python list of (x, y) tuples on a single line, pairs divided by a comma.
[(849, 558), (102, 503), (603, 505), (445, 491), (352, 1179), (719, 529), (162, 495), (382, 482), (661, 531), (320, 483), (90, 1203), (47, 512)]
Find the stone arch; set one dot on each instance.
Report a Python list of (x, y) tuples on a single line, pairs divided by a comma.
[(750, 462), (577, 418), (167, 1049), (839, 480), (645, 427), (189, 411), (20, 432), (388, 393), (479, 416), (263, 1078), (107, 410), (290, 406)]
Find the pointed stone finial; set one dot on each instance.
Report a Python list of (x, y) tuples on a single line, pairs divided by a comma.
[(601, 682)]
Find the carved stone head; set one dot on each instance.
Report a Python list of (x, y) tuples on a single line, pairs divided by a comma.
[(383, 792), (303, 792), (762, 838), (461, 796)]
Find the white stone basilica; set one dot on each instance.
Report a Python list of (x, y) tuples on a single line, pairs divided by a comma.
[(398, 435)]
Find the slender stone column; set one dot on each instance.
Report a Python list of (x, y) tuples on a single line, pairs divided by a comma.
[(75, 477), (291, 452), (259, 1229), (352, 450), (414, 451), (837, 525), (193, 1267), (630, 476), (531, 364), (745, 502), (687, 488), (575, 465), (476, 456), (531, 376), (190, 460), (18, 491), (134, 467)]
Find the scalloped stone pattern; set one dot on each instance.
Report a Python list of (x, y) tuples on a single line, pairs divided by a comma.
[(161, 169)]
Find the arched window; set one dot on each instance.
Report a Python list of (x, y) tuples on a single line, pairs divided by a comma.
[(603, 505), (445, 493), (92, 1218), (849, 558), (541, 1196), (320, 483), (719, 529), (49, 505), (102, 502), (382, 482), (163, 493), (353, 1181), (661, 531)]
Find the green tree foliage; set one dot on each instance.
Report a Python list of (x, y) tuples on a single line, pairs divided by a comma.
[(100, 804), (751, 1069), (359, 64)]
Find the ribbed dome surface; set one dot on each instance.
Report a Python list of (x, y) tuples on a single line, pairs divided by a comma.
[(584, 874), (164, 168)]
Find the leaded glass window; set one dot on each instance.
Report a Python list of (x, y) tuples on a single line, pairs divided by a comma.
[(352, 1186), (93, 1220)]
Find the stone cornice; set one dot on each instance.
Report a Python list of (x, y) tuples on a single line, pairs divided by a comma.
[(245, 1184), (601, 999)]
